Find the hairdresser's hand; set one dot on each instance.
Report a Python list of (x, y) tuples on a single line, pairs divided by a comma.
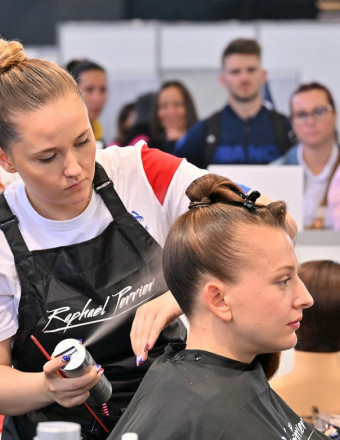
[(151, 318), (69, 392)]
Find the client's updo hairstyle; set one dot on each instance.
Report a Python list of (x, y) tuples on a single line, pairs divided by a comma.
[(209, 239), (26, 85)]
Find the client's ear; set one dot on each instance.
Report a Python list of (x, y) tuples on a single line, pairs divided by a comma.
[(216, 299), (6, 162)]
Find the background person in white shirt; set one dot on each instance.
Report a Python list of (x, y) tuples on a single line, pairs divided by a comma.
[(314, 116)]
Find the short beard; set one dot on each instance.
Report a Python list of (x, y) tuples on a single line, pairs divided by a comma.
[(245, 98)]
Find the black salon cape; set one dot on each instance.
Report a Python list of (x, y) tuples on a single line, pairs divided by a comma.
[(197, 395)]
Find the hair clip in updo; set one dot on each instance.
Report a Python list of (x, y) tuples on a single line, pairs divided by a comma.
[(249, 200), (204, 202)]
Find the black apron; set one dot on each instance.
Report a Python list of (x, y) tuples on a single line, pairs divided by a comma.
[(87, 291)]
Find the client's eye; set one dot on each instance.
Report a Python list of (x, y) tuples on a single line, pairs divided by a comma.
[(284, 282)]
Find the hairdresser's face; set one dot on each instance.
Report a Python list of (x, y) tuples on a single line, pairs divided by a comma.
[(93, 87), (56, 157), (171, 109), (313, 131), (268, 300), (243, 76)]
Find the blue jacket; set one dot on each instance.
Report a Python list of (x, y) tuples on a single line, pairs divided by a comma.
[(289, 158), (254, 141)]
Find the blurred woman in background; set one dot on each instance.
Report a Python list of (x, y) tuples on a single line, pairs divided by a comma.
[(314, 118), (172, 115), (140, 129), (125, 120), (92, 82)]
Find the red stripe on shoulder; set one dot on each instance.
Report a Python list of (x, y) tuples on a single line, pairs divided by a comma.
[(159, 168)]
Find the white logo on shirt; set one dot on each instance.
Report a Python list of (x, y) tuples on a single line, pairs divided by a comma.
[(123, 301), (297, 432)]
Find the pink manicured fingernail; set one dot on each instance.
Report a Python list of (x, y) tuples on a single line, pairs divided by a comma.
[(146, 348)]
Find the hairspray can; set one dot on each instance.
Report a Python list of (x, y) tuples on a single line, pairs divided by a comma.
[(81, 361)]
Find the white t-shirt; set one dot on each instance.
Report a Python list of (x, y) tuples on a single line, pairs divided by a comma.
[(315, 188), (151, 185), (334, 200), (7, 178)]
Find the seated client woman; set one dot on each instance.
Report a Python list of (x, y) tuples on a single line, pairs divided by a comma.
[(232, 267)]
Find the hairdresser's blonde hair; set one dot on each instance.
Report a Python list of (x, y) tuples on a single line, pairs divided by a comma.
[(26, 85)]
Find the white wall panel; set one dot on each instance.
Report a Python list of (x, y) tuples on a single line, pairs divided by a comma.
[(123, 48), (312, 49), (199, 46)]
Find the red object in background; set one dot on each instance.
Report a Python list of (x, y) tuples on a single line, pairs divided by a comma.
[(1, 421)]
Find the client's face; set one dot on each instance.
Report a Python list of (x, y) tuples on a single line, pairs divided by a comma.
[(268, 300)]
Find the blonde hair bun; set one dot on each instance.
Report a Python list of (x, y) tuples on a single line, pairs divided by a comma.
[(11, 53)]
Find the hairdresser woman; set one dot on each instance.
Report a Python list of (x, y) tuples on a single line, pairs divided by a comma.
[(73, 261)]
